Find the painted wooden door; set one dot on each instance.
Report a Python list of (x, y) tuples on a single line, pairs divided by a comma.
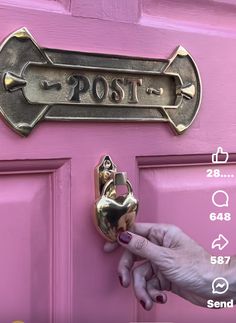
[(53, 268)]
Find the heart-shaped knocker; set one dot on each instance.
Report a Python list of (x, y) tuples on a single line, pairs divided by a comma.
[(114, 213)]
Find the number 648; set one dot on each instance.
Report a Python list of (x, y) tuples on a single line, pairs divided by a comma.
[(220, 216)]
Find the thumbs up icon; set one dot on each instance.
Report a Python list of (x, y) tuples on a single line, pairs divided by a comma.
[(220, 157)]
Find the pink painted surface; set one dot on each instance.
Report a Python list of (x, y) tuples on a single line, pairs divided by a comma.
[(48, 177), (125, 11), (24, 249), (35, 273), (45, 5), (182, 194)]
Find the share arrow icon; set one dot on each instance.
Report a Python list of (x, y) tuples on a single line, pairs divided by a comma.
[(221, 242)]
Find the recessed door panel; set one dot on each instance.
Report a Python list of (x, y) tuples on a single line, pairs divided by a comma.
[(181, 194), (25, 247)]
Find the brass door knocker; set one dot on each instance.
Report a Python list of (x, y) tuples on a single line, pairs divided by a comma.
[(113, 212)]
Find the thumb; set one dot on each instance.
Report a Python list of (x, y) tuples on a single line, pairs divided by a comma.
[(143, 248)]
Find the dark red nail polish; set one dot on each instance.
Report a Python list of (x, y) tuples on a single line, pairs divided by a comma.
[(125, 237), (160, 299), (143, 304), (121, 281)]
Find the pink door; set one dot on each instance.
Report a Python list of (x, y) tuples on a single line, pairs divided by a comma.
[(53, 268)]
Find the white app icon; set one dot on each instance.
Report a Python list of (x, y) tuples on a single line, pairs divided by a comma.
[(220, 198), (221, 242), (220, 157), (220, 286)]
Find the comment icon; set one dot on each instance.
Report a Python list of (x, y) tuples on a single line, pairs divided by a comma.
[(220, 198)]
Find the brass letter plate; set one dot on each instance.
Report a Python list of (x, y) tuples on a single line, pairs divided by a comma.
[(58, 85)]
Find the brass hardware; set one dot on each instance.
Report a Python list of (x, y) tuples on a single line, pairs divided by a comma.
[(188, 91), (61, 85), (13, 82), (150, 90), (113, 213), (103, 173), (18, 322)]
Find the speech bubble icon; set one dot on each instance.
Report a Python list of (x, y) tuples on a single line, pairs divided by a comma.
[(220, 198), (220, 285)]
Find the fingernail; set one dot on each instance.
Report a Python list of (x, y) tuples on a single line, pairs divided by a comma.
[(143, 304), (124, 237), (121, 281), (160, 299)]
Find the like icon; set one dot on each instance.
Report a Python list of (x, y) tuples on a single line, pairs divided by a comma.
[(220, 157)]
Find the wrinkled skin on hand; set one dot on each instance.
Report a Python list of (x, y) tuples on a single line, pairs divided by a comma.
[(171, 261)]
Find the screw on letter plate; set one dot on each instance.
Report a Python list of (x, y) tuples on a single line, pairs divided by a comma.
[(45, 84), (150, 90), (50, 85)]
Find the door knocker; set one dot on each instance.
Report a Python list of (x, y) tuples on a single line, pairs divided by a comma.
[(113, 212)]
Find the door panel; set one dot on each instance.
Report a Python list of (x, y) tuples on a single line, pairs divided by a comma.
[(47, 181), (25, 247), (35, 241), (180, 183)]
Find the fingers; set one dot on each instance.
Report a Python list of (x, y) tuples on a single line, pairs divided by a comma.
[(153, 232), (141, 274), (147, 288), (110, 246), (145, 229), (161, 234), (144, 248), (124, 268), (154, 291)]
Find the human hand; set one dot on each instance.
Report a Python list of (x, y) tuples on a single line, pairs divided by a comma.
[(173, 262)]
